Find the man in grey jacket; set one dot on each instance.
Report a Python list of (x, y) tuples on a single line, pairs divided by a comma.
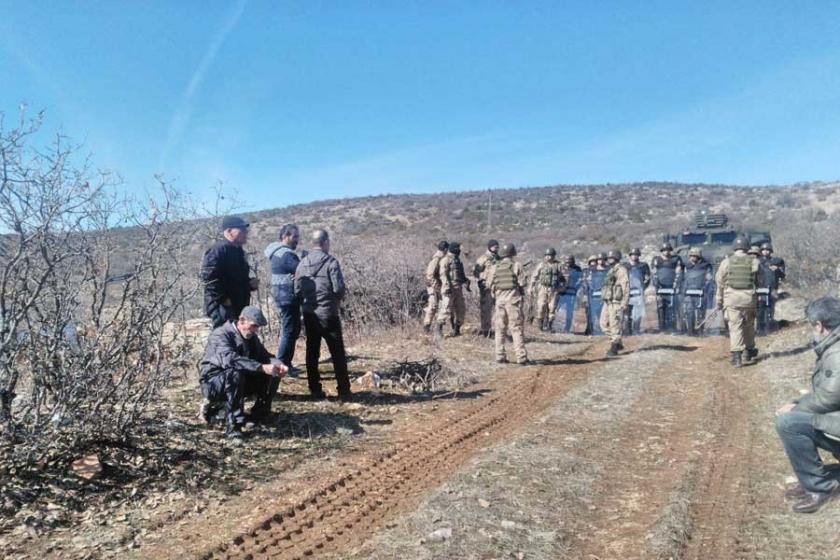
[(319, 285), (284, 262), (813, 421)]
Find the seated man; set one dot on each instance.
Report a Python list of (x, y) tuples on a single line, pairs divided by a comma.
[(237, 365), (813, 422)]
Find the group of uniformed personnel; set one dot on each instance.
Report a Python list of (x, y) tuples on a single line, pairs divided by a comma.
[(613, 292)]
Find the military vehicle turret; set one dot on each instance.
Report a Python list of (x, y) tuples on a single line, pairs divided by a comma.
[(713, 234)]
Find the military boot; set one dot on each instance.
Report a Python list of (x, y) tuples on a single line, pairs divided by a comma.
[(613, 350), (456, 329), (735, 360), (752, 354), (439, 329), (427, 329)]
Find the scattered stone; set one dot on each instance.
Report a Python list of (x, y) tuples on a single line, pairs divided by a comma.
[(506, 524), (370, 380), (88, 467), (483, 503), (440, 535), (341, 430)]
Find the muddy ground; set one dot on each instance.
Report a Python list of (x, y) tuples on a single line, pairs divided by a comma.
[(662, 452)]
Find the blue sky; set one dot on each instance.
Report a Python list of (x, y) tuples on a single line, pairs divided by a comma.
[(289, 102)]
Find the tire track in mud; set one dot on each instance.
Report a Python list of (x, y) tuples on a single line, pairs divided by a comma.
[(721, 500), (353, 504)]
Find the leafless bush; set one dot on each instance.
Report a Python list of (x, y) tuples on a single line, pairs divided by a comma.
[(386, 286), (415, 376), (809, 247), (82, 313)]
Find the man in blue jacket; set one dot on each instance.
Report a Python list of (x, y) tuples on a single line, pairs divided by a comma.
[(284, 262), (812, 422)]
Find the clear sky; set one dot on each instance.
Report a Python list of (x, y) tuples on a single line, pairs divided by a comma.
[(295, 101)]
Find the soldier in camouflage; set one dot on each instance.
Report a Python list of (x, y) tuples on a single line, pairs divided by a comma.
[(736, 283), (433, 285), (615, 296), (547, 281), (506, 282), (482, 267), (453, 281)]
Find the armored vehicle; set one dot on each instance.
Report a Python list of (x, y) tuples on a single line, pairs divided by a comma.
[(713, 235)]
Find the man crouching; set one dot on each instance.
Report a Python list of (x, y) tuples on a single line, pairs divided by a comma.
[(237, 365), (813, 422)]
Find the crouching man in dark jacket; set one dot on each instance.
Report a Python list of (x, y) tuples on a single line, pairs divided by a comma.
[(813, 421), (237, 365)]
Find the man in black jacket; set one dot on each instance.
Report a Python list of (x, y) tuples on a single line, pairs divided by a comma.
[(225, 273), (812, 422), (237, 365), (319, 285)]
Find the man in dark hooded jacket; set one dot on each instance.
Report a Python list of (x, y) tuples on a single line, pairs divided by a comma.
[(319, 285), (226, 275), (812, 422)]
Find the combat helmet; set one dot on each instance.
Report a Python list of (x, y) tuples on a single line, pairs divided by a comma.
[(507, 250), (455, 247), (443, 246), (492, 243), (767, 246), (695, 252), (754, 250), (591, 259), (741, 243), (636, 251), (602, 256), (614, 254), (569, 259), (550, 252), (666, 247)]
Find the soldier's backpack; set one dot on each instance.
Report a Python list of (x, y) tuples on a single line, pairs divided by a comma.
[(505, 276), (741, 273)]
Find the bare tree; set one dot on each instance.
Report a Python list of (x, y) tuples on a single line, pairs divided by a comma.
[(91, 285)]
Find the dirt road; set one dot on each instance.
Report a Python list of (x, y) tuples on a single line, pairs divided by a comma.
[(661, 436)]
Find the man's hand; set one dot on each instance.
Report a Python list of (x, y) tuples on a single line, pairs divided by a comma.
[(275, 370), (785, 408), (254, 283)]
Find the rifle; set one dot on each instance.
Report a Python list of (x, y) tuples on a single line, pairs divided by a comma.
[(711, 315)]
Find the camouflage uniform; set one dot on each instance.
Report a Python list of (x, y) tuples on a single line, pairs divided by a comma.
[(547, 281), (615, 296), (736, 282), (452, 308), (506, 281), (482, 267), (432, 288)]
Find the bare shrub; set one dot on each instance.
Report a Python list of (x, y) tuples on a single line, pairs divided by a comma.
[(83, 349), (809, 247)]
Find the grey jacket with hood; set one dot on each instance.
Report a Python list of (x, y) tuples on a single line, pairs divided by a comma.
[(824, 399)]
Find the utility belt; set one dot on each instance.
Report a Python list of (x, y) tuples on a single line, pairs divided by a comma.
[(763, 291), (665, 291), (596, 293), (635, 292), (694, 292)]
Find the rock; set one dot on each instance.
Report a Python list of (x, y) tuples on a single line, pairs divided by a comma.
[(370, 380), (508, 524), (790, 308), (341, 430), (440, 535), (88, 467), (483, 503)]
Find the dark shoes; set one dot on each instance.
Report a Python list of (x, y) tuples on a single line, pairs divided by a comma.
[(613, 351), (735, 359), (234, 432), (813, 501), (318, 396), (795, 492), (427, 329), (501, 360), (751, 353), (346, 397)]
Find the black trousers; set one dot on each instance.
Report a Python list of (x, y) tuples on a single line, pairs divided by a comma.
[(328, 330), (232, 386)]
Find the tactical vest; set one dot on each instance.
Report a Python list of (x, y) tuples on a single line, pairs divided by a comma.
[(548, 275), (505, 276), (278, 277), (740, 273), (767, 277), (666, 271), (611, 291), (456, 271), (695, 275)]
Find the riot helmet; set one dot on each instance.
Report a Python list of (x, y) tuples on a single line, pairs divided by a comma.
[(741, 244)]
